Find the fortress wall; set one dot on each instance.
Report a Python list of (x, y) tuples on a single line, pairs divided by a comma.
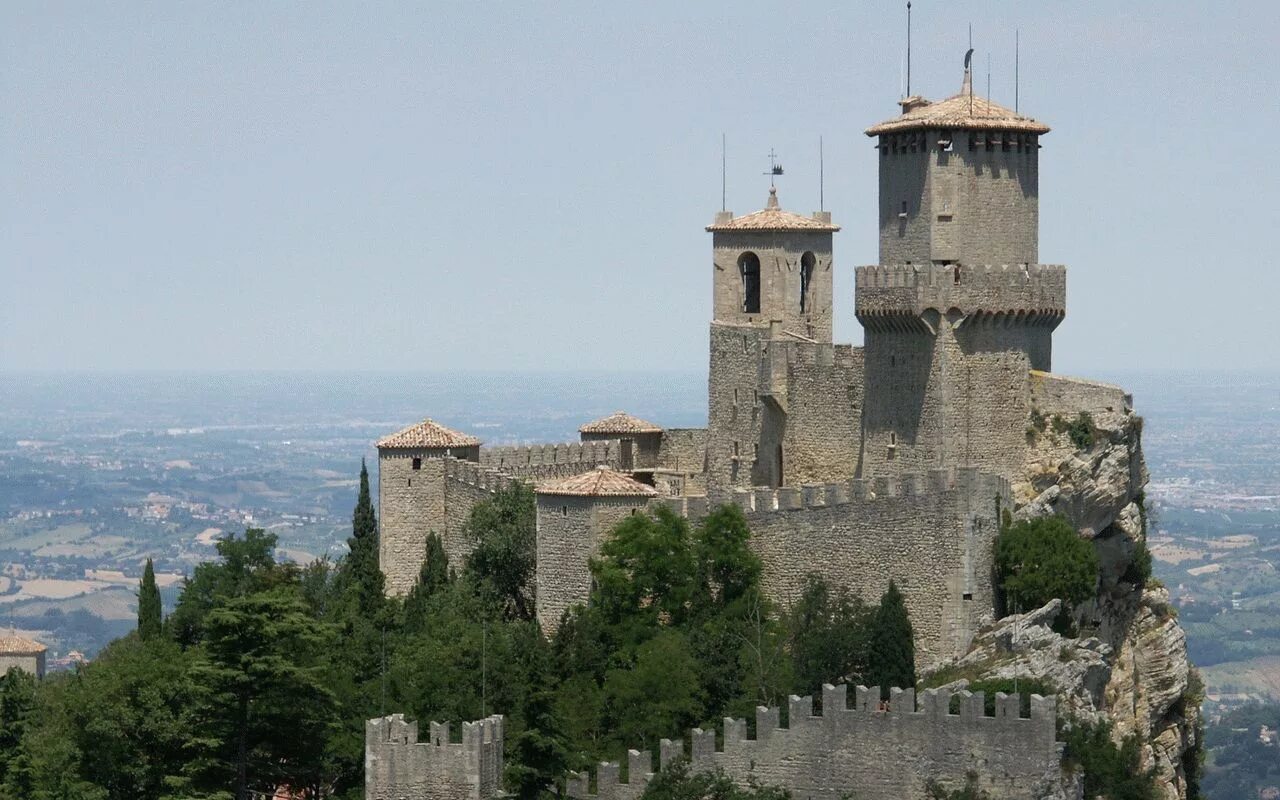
[(932, 534), (411, 504), (1058, 394), (541, 460), (735, 409), (683, 450), (570, 530), (867, 751), (397, 765), (824, 413), (779, 280)]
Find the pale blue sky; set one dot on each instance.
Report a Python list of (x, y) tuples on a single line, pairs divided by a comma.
[(502, 185)]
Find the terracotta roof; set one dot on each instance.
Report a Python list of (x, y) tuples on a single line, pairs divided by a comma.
[(773, 218), (427, 433), (966, 110), (15, 645), (620, 422), (599, 482)]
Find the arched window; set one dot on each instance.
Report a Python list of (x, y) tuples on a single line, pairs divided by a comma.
[(749, 267), (807, 262)]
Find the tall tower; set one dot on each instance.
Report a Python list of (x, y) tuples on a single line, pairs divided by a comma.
[(772, 290), (958, 312)]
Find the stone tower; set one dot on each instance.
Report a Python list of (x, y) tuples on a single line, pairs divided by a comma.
[(958, 310), (772, 287), (413, 498)]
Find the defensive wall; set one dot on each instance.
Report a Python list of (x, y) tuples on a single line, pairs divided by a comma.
[(1059, 394), (398, 766), (932, 534), (539, 461), (872, 751)]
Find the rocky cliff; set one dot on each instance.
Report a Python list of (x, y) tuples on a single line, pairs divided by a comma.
[(1128, 665)]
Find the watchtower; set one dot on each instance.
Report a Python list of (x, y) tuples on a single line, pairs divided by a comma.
[(958, 311)]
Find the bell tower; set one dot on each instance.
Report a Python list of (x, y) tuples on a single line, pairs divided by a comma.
[(773, 267)]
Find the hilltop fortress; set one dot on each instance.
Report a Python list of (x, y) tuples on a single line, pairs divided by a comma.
[(860, 464), (891, 461)]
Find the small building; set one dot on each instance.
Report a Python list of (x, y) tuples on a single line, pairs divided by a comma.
[(574, 515), (23, 653), (641, 440)]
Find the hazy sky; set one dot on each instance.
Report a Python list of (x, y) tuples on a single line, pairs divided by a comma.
[(502, 185)]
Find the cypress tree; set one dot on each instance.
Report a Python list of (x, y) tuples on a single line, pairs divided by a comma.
[(362, 561), (433, 577), (149, 609), (893, 652)]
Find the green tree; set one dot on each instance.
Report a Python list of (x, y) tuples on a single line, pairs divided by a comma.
[(892, 657), (659, 696), (263, 712), (537, 756), (247, 565), (1041, 559), (504, 530), (361, 571), (433, 577), (647, 569), (727, 568), (828, 636), (149, 607), (17, 701)]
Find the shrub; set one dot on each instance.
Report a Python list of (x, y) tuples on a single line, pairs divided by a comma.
[(1042, 559), (1110, 771)]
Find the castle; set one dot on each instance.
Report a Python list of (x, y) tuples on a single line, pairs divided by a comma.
[(860, 464), (890, 461)]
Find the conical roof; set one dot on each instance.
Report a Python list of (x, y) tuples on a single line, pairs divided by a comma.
[(599, 482), (773, 218), (965, 110), (15, 645), (620, 422), (427, 434)]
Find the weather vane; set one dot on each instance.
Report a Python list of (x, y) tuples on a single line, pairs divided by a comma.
[(775, 169)]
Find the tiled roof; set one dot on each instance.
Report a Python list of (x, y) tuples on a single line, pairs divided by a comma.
[(620, 422), (773, 218), (599, 482), (427, 433), (966, 110), (14, 645)]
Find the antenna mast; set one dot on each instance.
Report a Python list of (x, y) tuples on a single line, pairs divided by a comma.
[(908, 48), (724, 180), (822, 201), (1015, 70)]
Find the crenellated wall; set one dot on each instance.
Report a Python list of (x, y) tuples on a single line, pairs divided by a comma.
[(398, 766), (872, 751), (933, 534), (552, 460), (1026, 292)]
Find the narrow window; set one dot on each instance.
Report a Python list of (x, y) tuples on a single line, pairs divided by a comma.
[(903, 212), (411, 482), (417, 463), (807, 262), (735, 449), (735, 397), (755, 451), (633, 512), (893, 438), (564, 511), (749, 267), (956, 275)]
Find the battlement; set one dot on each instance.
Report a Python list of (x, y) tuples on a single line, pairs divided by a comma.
[(1027, 294), (540, 460), (829, 755), (398, 765), (480, 476), (967, 480)]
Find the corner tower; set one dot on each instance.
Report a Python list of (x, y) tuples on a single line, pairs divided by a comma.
[(958, 312)]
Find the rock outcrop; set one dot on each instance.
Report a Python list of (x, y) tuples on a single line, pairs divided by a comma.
[(1129, 665)]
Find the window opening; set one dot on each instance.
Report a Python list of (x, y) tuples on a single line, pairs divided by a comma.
[(417, 463), (807, 262), (749, 267)]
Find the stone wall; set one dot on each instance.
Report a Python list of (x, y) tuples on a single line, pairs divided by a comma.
[(1059, 394), (868, 752), (780, 253), (398, 766), (931, 534), (552, 460), (411, 505)]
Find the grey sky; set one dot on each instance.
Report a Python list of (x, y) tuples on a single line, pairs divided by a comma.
[(500, 185)]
